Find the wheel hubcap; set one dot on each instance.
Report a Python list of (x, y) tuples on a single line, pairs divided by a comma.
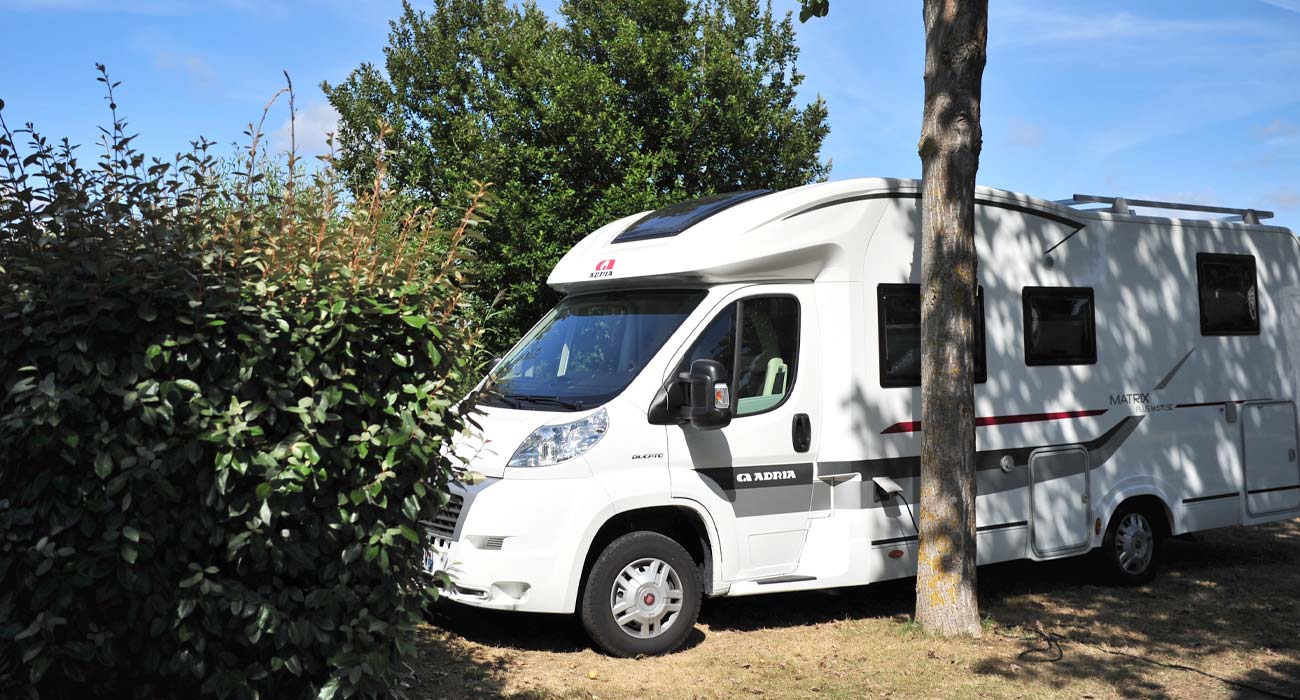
[(1134, 543), (646, 598)]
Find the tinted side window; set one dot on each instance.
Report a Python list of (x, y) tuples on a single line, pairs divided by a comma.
[(1229, 294), (1060, 326), (898, 308), (717, 342), (769, 349), (763, 371)]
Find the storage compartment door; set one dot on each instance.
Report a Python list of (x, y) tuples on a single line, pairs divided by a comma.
[(1268, 436), (1059, 495)]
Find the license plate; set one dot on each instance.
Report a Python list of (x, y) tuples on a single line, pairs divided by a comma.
[(434, 561)]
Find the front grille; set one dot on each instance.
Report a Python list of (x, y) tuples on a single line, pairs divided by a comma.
[(443, 525)]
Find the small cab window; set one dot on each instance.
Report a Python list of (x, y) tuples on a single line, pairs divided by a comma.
[(898, 309), (760, 353), (1060, 326), (1229, 294)]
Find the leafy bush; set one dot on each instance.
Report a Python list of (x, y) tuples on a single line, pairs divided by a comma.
[(222, 408)]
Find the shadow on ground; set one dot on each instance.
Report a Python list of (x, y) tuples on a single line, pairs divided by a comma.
[(1230, 592)]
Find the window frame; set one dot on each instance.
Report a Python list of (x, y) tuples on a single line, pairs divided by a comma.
[(1221, 258), (980, 357), (738, 339), (1068, 292)]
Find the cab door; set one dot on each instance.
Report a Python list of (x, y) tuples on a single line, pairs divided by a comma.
[(755, 476)]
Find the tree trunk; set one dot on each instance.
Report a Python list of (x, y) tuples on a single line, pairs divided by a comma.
[(956, 32)]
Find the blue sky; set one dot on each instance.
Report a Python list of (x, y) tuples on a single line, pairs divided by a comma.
[(1187, 100)]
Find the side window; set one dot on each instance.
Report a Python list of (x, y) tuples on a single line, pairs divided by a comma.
[(1229, 294), (769, 348), (760, 353), (898, 310), (717, 342), (1060, 326)]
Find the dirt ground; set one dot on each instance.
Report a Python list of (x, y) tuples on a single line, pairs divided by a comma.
[(1222, 620)]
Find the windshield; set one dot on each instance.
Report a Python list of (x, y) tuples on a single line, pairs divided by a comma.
[(588, 349)]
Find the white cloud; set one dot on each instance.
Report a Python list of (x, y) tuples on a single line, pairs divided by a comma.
[(1031, 23), (193, 66), (1292, 5), (309, 129), (1026, 134), (1279, 132)]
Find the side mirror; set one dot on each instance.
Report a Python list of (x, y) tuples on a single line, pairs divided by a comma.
[(707, 396)]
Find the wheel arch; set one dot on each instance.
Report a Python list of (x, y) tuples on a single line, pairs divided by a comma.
[(681, 520), (1150, 500)]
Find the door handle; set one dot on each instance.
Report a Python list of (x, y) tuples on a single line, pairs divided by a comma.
[(801, 432)]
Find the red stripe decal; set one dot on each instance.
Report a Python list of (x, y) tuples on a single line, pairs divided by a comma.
[(914, 426)]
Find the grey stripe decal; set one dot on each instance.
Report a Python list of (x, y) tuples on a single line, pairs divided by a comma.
[(763, 490), (989, 477), (1165, 382), (772, 496), (759, 477)]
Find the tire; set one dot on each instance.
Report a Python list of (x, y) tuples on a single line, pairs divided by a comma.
[(1132, 547), (643, 575)]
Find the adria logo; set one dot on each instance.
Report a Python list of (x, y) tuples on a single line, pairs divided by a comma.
[(604, 268)]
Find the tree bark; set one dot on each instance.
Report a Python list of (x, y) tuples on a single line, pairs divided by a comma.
[(956, 33)]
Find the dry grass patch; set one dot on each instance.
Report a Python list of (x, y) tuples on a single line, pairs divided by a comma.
[(1221, 621)]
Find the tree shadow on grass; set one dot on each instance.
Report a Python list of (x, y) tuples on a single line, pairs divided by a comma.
[(445, 667), (1224, 591)]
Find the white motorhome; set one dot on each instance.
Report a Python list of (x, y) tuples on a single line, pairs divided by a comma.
[(726, 402)]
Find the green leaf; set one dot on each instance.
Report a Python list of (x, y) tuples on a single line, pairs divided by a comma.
[(410, 534), (128, 552), (415, 321), (131, 533), (103, 465), (188, 385), (329, 690)]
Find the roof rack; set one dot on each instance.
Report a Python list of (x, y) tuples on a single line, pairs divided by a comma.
[(1120, 205)]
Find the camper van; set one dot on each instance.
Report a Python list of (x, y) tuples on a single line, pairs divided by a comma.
[(726, 402)]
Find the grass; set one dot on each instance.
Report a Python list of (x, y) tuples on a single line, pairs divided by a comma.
[(1222, 620)]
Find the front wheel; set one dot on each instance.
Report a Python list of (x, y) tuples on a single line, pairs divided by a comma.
[(1132, 547), (642, 596)]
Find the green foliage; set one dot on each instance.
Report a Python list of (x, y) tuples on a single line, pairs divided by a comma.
[(222, 408), (623, 106), (813, 8)]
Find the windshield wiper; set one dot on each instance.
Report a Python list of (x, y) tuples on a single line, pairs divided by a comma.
[(554, 400)]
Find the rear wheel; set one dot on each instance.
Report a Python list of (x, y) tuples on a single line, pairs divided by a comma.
[(1132, 546), (642, 596)]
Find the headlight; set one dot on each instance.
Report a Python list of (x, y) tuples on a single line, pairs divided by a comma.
[(552, 444)]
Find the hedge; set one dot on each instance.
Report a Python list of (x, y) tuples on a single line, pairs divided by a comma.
[(223, 405)]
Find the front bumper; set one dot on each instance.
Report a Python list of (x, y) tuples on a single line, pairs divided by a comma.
[(518, 544)]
